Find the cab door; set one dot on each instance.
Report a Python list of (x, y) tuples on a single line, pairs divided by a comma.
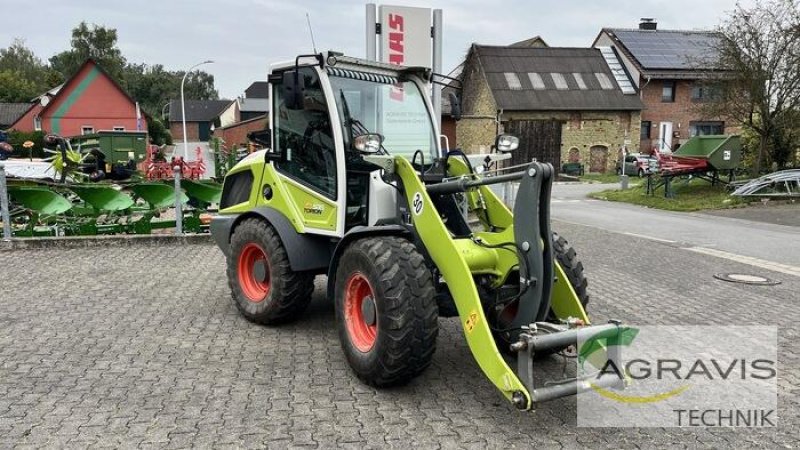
[(310, 175)]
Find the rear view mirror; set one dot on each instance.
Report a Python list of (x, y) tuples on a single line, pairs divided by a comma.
[(506, 143), (455, 106), (293, 86)]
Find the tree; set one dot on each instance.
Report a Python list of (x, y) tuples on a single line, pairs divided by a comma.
[(153, 86), (24, 76), (96, 42), (15, 88), (159, 134), (759, 52)]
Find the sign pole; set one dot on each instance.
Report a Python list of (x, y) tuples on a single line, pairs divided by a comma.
[(372, 20), (436, 94)]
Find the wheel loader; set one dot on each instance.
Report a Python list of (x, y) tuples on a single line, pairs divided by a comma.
[(357, 186)]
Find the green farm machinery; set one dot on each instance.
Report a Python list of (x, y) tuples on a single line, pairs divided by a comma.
[(91, 207), (355, 186)]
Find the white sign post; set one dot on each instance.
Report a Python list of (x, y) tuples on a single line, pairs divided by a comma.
[(406, 36)]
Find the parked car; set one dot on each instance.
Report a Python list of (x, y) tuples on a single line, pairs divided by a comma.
[(638, 164)]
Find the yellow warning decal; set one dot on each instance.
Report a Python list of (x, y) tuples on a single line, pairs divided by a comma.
[(472, 320)]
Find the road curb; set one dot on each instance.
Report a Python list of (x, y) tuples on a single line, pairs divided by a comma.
[(102, 241)]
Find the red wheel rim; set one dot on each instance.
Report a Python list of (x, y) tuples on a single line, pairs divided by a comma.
[(358, 299), (254, 272)]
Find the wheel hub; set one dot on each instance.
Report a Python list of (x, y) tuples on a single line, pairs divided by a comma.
[(360, 312), (254, 273), (260, 271), (368, 310)]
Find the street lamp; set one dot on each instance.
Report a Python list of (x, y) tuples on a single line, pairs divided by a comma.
[(183, 108), (164, 112)]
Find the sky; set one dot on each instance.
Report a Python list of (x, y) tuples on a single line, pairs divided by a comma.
[(243, 37)]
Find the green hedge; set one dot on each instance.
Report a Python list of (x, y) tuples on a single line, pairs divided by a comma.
[(17, 138)]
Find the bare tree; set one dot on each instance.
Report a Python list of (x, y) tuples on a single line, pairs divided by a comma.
[(759, 52)]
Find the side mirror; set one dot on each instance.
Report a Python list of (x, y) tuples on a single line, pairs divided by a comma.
[(506, 143), (293, 86), (455, 106), (368, 143)]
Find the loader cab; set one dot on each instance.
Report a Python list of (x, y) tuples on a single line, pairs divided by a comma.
[(321, 123)]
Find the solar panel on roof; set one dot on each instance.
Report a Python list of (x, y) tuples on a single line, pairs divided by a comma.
[(668, 49)]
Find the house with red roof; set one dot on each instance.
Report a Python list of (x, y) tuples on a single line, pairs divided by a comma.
[(89, 102)]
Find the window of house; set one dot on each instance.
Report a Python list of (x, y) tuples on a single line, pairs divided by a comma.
[(37, 123), (647, 126), (579, 80), (705, 128), (605, 82), (87, 130), (119, 128), (559, 81), (668, 92), (536, 81), (702, 93), (513, 81)]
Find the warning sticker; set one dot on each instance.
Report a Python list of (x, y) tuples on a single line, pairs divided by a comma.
[(472, 320)]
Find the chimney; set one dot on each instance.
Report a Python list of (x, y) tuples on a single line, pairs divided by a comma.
[(648, 23)]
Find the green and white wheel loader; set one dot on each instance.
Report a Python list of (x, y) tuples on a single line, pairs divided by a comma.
[(357, 187)]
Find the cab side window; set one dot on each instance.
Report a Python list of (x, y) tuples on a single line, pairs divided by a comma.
[(306, 137)]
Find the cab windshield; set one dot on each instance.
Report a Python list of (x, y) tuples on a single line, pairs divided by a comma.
[(371, 104)]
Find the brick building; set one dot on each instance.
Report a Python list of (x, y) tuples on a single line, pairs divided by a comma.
[(668, 68), (88, 102), (254, 104), (235, 135), (565, 104), (201, 115)]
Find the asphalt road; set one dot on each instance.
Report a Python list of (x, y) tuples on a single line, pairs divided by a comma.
[(726, 236), (141, 347)]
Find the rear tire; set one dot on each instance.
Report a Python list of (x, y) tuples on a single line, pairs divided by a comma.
[(263, 286), (386, 311)]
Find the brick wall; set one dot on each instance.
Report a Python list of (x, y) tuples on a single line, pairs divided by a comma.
[(475, 132), (680, 112), (192, 131), (605, 131), (449, 130), (235, 136)]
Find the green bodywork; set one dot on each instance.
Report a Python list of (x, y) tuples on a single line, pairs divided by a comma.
[(305, 208)]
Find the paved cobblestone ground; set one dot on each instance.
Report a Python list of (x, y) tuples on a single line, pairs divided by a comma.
[(143, 347)]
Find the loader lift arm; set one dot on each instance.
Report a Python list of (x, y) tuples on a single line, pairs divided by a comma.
[(455, 258)]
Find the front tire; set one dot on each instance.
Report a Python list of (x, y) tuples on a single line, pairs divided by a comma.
[(263, 286), (386, 311)]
